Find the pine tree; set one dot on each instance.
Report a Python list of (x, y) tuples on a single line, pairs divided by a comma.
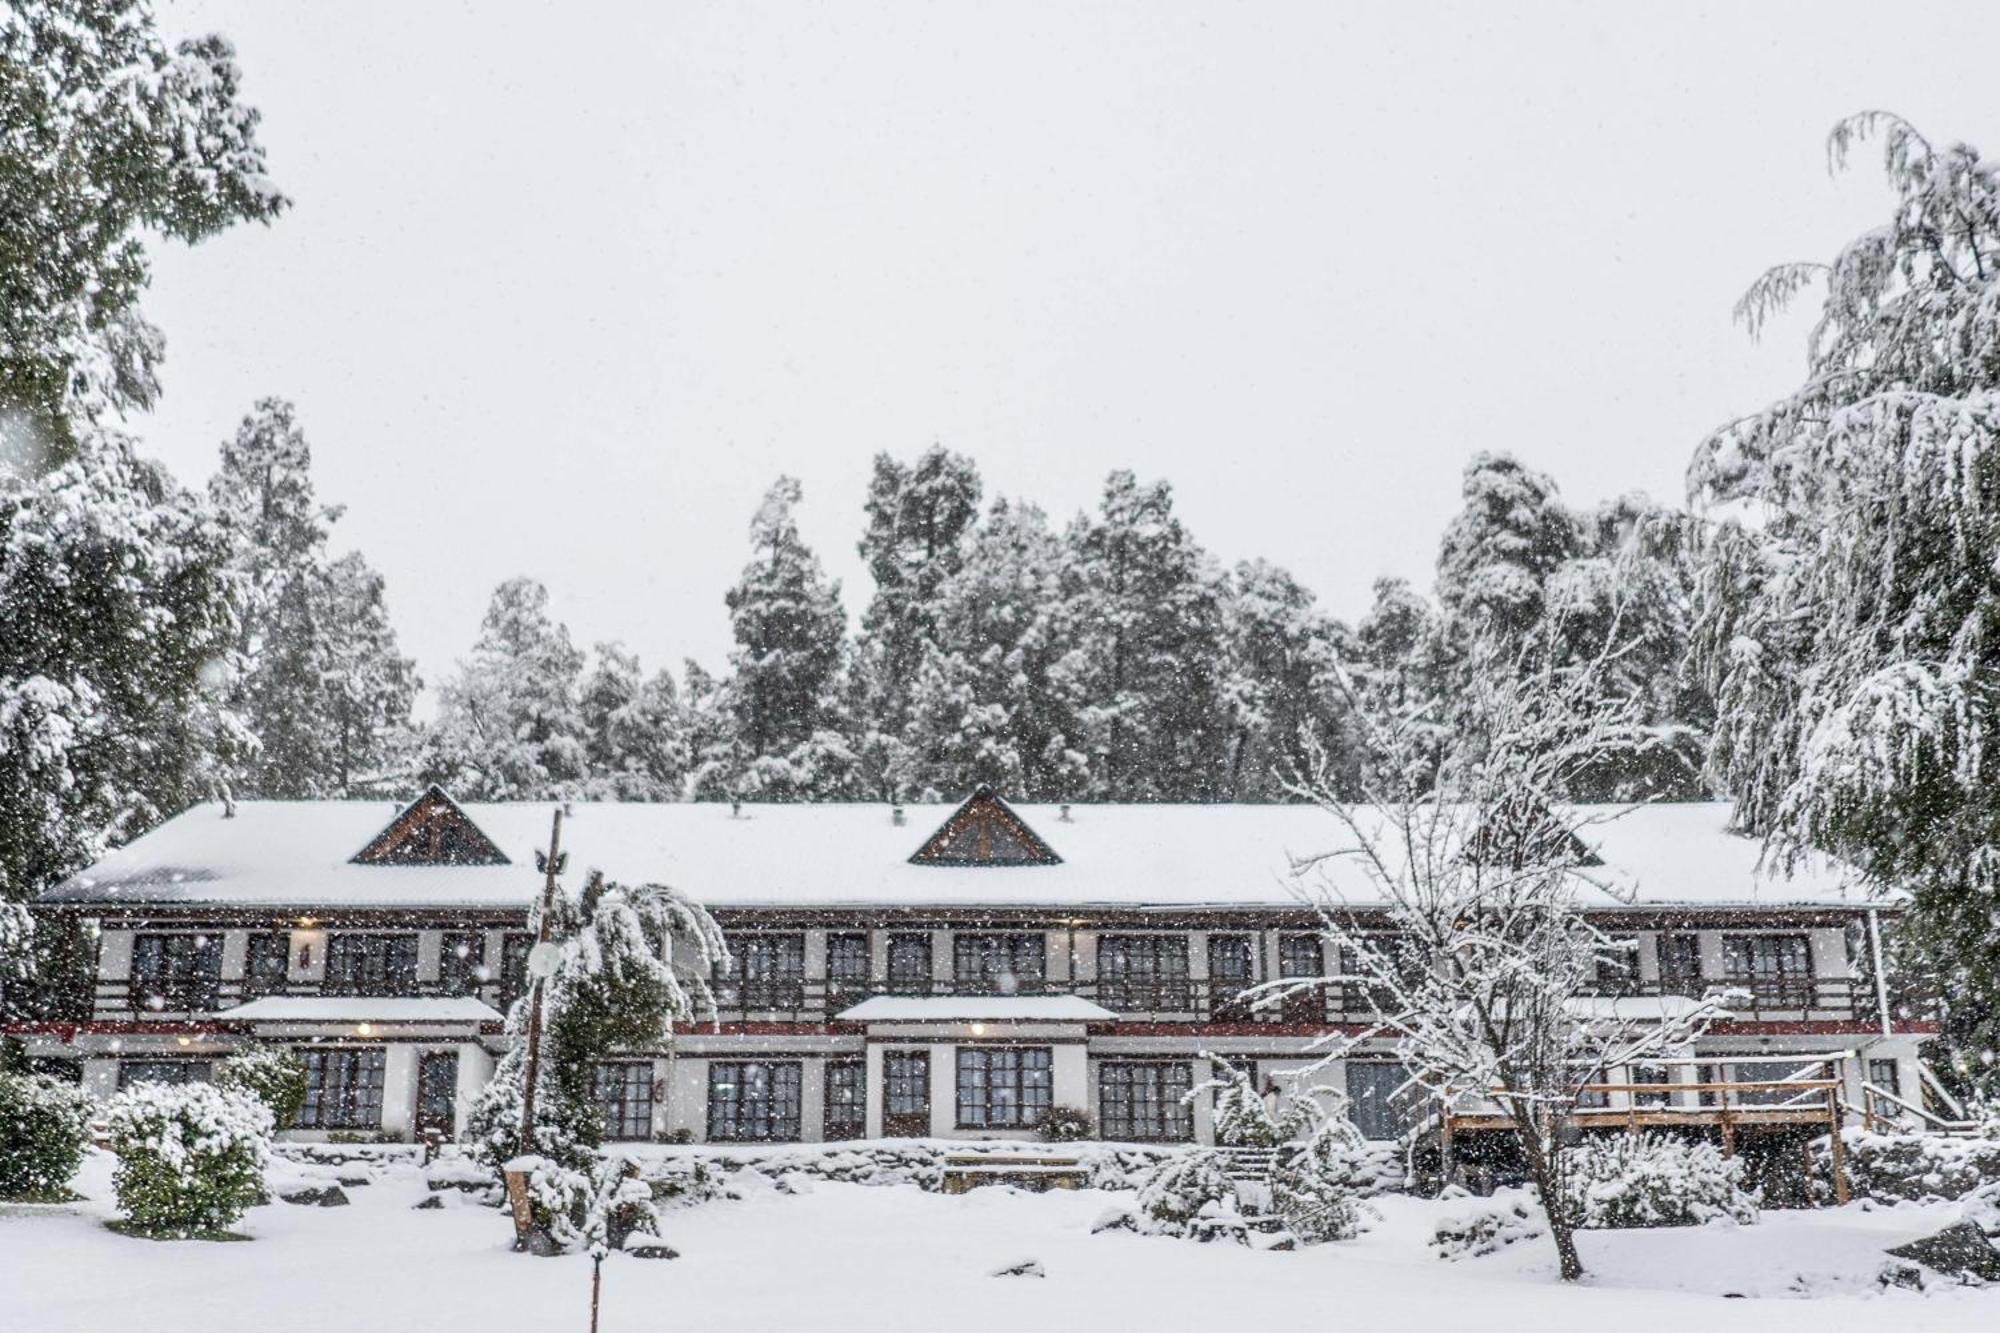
[(920, 524), (1283, 684), (106, 133), (1851, 631), (510, 723), (1496, 556), (1149, 623), (318, 678), (635, 736), (784, 691)]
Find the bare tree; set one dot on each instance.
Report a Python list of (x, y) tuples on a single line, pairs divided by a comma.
[(1454, 904)]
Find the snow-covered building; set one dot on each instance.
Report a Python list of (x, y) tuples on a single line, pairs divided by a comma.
[(945, 971)]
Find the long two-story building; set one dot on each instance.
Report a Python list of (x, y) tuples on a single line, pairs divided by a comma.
[(938, 971)]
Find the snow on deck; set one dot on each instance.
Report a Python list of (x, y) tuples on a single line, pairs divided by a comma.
[(994, 1008), (297, 854), (363, 1009)]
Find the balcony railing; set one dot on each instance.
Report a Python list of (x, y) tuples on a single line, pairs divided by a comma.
[(1190, 1000)]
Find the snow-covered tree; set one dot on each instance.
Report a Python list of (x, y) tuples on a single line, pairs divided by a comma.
[(1498, 552), (108, 134), (510, 722), (1283, 681), (787, 735), (317, 679), (1454, 903), (1148, 620), (116, 611), (998, 699), (1397, 676), (920, 523), (635, 734), (1849, 620), (632, 964)]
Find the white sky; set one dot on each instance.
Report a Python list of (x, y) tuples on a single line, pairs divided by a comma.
[(567, 285)]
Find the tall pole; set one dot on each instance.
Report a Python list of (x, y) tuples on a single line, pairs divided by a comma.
[(535, 989)]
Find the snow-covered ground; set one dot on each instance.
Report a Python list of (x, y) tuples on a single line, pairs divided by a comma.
[(891, 1258)]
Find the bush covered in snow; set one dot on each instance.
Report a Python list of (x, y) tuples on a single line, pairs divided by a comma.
[(1919, 1167), (190, 1156), (44, 1126), (1315, 1186), (595, 1209), (1506, 1219), (1175, 1192), (1242, 1117), (273, 1075), (1067, 1124), (1652, 1180)]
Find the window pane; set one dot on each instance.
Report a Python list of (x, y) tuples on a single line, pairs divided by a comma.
[(1144, 1101), (753, 1100), (1379, 1111), (909, 963), (1003, 1087), (625, 1098)]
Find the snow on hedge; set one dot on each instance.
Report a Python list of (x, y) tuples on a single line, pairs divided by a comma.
[(191, 1157)]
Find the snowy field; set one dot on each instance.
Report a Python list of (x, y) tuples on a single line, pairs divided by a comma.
[(888, 1259)]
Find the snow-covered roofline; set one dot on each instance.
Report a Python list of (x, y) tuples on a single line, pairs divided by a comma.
[(298, 856)]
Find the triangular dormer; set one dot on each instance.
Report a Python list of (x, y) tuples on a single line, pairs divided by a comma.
[(985, 831), (1522, 833), (431, 831)]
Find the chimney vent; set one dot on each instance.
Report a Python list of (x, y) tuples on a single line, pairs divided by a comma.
[(896, 815), (1063, 815)]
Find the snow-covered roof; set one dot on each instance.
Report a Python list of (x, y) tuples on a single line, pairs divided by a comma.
[(298, 855), (363, 1009), (976, 1008)]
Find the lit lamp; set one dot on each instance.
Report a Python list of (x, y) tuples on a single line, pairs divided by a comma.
[(978, 1029), (364, 1029)]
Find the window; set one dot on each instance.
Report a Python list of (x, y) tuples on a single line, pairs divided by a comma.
[(625, 1098), (1775, 969), (764, 972), (906, 1083), (1144, 1101), (1232, 970), (1617, 966), (1003, 1087), (181, 972), (371, 964), (1777, 1072), (1378, 1100), (910, 963), (846, 1099), (1144, 972), (343, 1089), (266, 964), (999, 964), (1300, 956), (514, 947), (1680, 964), (462, 962), (752, 1100), (162, 1071), (1651, 1075), (847, 966), (1882, 1073)]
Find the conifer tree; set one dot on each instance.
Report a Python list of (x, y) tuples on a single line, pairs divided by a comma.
[(920, 523), (106, 133), (786, 737), (1283, 688), (1851, 630), (635, 735), (510, 723), (1147, 607)]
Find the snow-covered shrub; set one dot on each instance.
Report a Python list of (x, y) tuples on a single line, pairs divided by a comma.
[(1313, 1187), (190, 1156), (44, 1127), (595, 1209), (566, 1128), (1119, 1166), (1505, 1219), (1067, 1124), (273, 1075), (1921, 1167), (1243, 1120), (1652, 1180), (685, 1181), (1174, 1193)]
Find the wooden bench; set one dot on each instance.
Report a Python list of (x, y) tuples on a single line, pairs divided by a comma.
[(965, 1171)]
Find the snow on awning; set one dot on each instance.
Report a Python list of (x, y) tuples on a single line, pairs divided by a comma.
[(976, 1008), (1654, 1007), (363, 1009)]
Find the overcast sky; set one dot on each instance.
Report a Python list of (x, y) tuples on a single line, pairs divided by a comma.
[(566, 286)]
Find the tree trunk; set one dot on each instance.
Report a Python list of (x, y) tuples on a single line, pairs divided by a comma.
[(1542, 1169)]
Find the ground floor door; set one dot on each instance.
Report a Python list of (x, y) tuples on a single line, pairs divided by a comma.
[(437, 1092), (906, 1094)]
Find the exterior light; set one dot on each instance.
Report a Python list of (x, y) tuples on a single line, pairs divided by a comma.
[(183, 1040), (305, 923), (364, 1029), (978, 1029)]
